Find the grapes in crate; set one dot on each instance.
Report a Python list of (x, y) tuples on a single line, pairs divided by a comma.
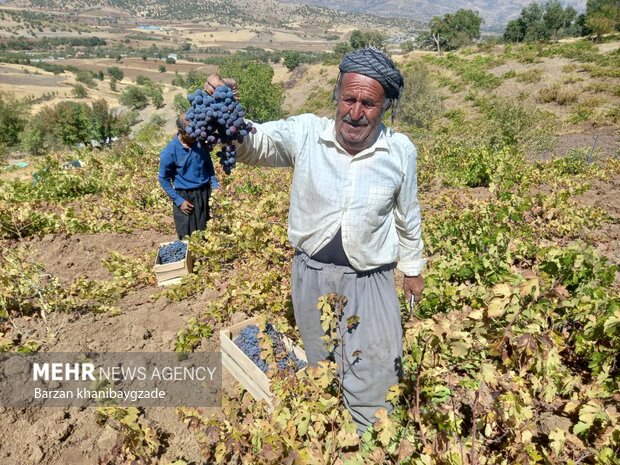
[(218, 120), (173, 252), (248, 341)]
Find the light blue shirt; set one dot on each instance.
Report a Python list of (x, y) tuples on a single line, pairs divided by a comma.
[(372, 196)]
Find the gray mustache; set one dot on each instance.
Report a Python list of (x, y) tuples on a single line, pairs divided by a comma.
[(363, 121)]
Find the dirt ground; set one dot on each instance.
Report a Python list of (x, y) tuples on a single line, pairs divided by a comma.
[(71, 436)]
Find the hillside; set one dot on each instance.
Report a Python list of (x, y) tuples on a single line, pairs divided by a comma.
[(233, 13), (496, 13)]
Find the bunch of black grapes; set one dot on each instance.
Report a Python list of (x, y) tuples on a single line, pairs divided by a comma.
[(218, 119), (173, 252), (248, 342)]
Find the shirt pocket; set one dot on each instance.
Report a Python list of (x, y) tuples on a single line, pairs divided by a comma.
[(380, 203)]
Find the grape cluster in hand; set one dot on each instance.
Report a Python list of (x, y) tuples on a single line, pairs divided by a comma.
[(173, 252), (218, 119), (248, 342)]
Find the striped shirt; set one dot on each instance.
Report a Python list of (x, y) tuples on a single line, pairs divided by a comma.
[(371, 196)]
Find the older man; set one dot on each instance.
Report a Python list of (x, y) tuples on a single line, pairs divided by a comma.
[(353, 217)]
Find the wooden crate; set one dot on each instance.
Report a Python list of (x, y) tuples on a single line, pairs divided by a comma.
[(242, 368), (171, 273)]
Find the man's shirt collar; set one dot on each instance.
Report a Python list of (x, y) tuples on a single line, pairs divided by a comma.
[(329, 135)]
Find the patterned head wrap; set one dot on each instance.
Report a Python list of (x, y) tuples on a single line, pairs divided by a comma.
[(375, 64)]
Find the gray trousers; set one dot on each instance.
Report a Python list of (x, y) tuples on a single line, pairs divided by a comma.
[(372, 297)]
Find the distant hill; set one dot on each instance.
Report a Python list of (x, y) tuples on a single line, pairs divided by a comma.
[(232, 12), (496, 13)]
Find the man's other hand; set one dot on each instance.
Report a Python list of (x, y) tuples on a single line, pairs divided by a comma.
[(186, 207), (214, 81), (413, 285)]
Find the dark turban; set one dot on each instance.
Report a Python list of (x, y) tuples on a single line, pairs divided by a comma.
[(375, 64)]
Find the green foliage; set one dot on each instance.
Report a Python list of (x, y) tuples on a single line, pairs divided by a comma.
[(26, 288), (341, 49), (142, 80), (180, 103), (155, 94), (602, 17), (540, 23), (139, 441), (116, 73), (455, 30), (361, 39), (79, 91), (259, 95), (13, 119), (292, 60), (319, 101), (85, 77), (472, 72), (193, 80), (134, 97), (72, 123), (420, 104), (162, 69), (192, 335)]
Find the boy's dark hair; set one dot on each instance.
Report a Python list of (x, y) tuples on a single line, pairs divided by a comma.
[(181, 122)]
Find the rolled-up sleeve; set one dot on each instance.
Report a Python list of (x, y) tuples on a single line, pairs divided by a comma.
[(408, 220)]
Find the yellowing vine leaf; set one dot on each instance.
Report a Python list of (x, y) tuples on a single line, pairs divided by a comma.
[(384, 427)]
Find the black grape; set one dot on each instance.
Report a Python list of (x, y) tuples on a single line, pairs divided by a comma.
[(218, 119), (248, 341), (173, 252)]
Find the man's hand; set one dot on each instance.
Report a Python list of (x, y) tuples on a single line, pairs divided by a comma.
[(413, 285), (186, 207), (214, 81)]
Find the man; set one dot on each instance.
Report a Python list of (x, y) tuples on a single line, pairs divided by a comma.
[(353, 214), (185, 172)]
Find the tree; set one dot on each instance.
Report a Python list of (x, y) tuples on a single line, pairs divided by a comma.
[(101, 120), (162, 69), (14, 116), (342, 48), (554, 18), (185, 46), (134, 97), (292, 60), (116, 73), (514, 31), (195, 80), (360, 39), (455, 30), (79, 91), (602, 16), (538, 23), (155, 94), (170, 61), (260, 96), (420, 103), (180, 103), (72, 123)]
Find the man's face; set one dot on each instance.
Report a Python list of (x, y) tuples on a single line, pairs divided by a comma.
[(358, 112)]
